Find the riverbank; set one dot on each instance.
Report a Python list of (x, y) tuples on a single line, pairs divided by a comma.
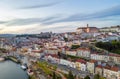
[(14, 59), (2, 59)]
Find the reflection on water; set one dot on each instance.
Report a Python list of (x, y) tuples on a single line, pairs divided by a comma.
[(11, 70)]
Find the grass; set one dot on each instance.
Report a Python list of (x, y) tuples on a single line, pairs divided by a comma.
[(48, 69), (32, 77), (44, 66)]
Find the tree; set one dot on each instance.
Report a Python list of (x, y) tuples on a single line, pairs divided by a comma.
[(54, 75), (102, 78), (66, 39), (59, 54), (75, 46), (70, 75), (87, 77), (113, 46), (96, 76)]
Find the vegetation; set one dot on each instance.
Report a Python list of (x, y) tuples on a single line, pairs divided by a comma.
[(44, 67), (33, 36), (55, 76), (113, 46), (87, 77), (70, 75), (75, 46), (66, 39), (48, 69), (3, 50), (14, 59), (76, 57), (32, 77), (97, 76)]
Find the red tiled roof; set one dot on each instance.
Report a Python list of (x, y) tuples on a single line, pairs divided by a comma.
[(99, 66), (37, 51), (81, 61), (114, 68), (86, 49)]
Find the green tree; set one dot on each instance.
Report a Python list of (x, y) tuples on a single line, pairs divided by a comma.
[(113, 46), (96, 76), (70, 75), (87, 77), (54, 75), (66, 39), (102, 78), (75, 46)]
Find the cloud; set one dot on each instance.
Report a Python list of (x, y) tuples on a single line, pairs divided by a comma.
[(114, 11), (104, 14), (39, 6), (3, 22), (28, 21)]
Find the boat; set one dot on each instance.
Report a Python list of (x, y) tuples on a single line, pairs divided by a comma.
[(23, 67)]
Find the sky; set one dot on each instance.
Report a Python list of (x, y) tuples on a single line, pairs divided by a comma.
[(35, 16)]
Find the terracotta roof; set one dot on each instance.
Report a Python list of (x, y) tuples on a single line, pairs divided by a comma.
[(53, 55), (116, 55), (81, 61), (99, 66), (87, 49), (114, 68), (93, 61), (37, 51)]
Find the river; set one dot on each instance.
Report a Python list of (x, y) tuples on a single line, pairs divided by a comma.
[(11, 70)]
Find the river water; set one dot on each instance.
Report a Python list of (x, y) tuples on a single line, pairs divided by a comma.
[(11, 70)]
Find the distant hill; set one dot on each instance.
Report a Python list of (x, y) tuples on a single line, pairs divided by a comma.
[(7, 35)]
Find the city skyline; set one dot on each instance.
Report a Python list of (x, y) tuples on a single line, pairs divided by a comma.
[(34, 16)]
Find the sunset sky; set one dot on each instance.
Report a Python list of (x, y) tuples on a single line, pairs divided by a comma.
[(35, 16)]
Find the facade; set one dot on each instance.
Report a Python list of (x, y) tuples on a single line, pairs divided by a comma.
[(81, 65), (52, 51), (110, 29), (87, 30), (65, 62), (83, 52), (111, 72), (71, 52), (52, 58), (114, 58), (99, 70), (91, 66), (101, 57)]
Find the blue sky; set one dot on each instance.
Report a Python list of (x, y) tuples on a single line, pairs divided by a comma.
[(35, 16)]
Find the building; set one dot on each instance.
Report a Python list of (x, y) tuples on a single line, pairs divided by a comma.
[(87, 30), (83, 52), (52, 51), (81, 65), (71, 52), (110, 29), (99, 70), (91, 66), (111, 72), (101, 57)]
